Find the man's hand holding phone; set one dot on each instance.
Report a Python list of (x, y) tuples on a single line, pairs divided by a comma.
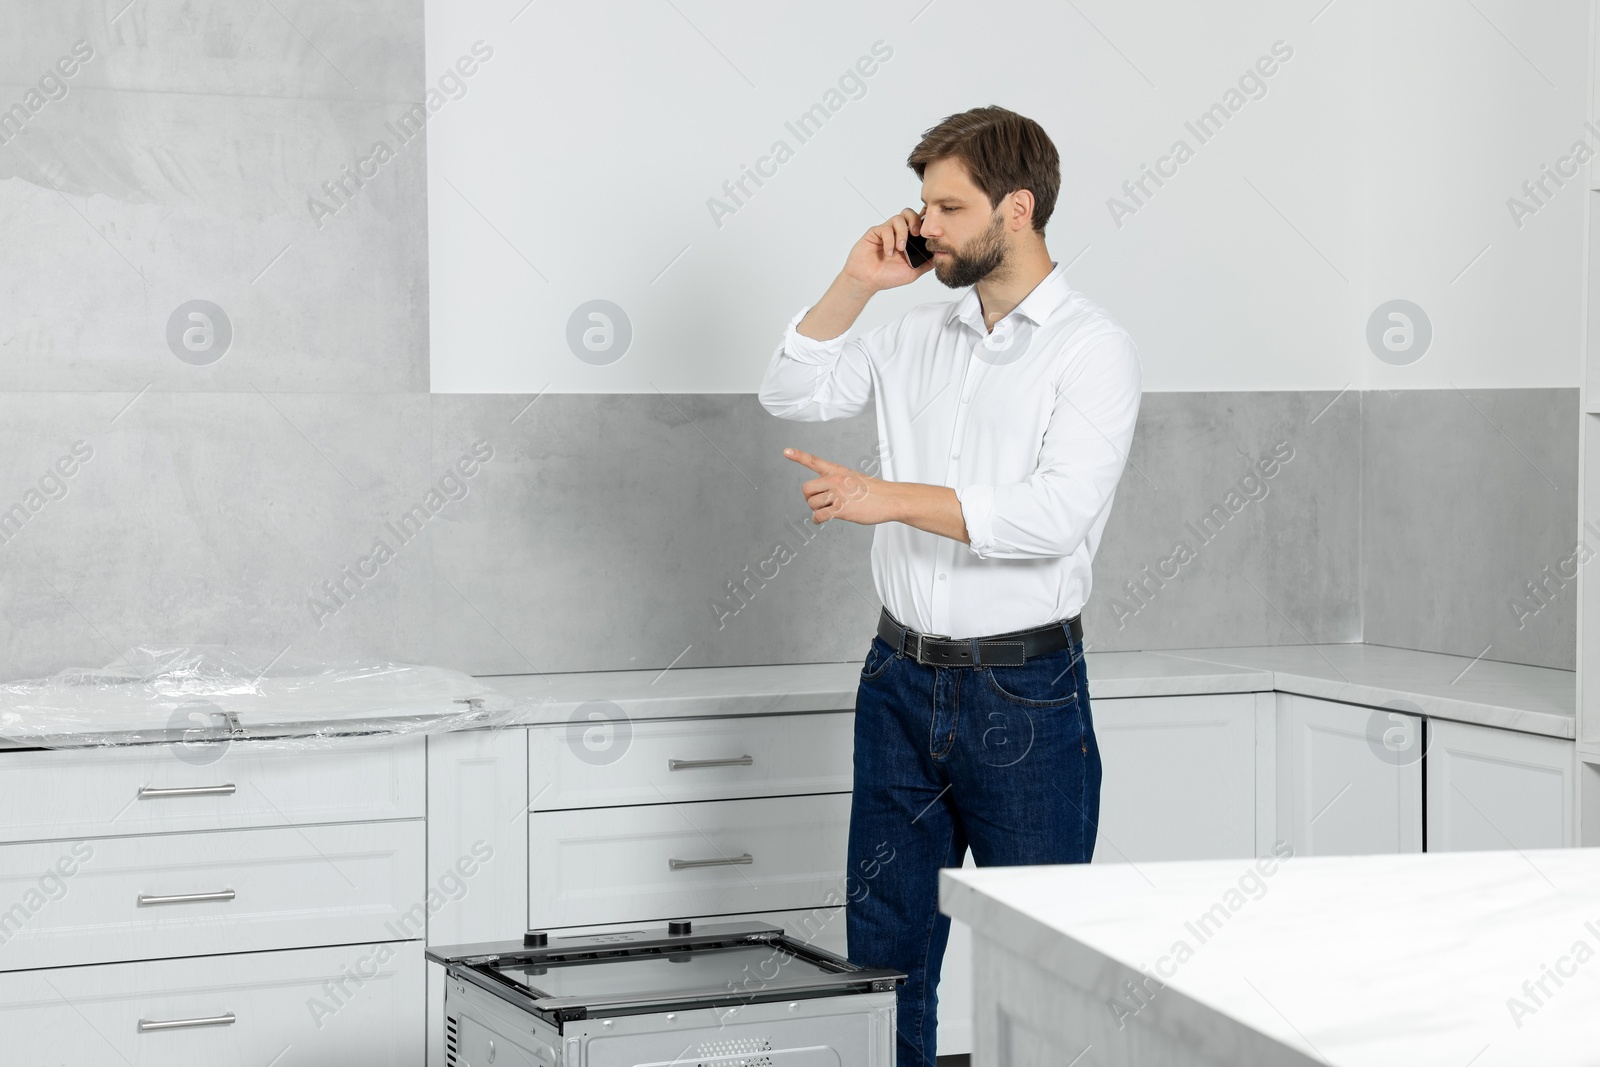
[(885, 257), (890, 255)]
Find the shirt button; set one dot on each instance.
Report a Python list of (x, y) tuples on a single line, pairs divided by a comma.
[(965, 399), (955, 455), (941, 577)]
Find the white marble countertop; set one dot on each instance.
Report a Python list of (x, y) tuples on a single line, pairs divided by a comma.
[(1537, 700), (1355, 961), (1533, 699), (697, 691)]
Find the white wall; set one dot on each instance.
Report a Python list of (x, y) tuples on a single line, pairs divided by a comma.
[(1376, 166)]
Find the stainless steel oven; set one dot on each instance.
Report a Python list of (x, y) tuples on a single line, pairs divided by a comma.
[(725, 995)]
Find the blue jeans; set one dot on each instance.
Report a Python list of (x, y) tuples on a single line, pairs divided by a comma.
[(999, 758)]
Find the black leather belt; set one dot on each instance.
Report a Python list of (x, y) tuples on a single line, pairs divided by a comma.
[(1000, 650)]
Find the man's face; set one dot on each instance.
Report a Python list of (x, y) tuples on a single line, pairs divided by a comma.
[(968, 238)]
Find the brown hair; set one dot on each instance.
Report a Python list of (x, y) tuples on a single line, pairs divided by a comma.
[(1002, 151)]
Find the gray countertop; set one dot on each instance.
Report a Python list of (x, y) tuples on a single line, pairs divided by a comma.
[(425, 699), (1514, 696), (829, 686), (1537, 700)]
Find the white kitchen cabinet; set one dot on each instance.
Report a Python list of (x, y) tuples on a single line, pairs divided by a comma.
[(231, 890), (1498, 789), (477, 835), (1178, 777), (666, 760), (144, 789), (295, 1008), (477, 848), (131, 898), (1349, 778), (661, 861)]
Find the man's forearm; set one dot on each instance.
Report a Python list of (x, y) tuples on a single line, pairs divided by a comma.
[(934, 508), (836, 312)]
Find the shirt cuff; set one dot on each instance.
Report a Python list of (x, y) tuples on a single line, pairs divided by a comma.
[(804, 349), (977, 511)]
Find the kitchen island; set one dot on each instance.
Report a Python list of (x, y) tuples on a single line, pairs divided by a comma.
[(1487, 959)]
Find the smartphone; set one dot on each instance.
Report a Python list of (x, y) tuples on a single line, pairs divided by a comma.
[(917, 250)]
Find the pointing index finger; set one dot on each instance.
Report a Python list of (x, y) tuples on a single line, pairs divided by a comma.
[(806, 459)]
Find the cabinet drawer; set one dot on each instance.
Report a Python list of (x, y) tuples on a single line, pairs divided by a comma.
[(146, 789), (80, 902), (613, 864), (587, 765), (283, 1012)]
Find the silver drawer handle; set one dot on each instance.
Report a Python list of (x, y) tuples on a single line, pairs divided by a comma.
[(146, 1025), (692, 764), (151, 792), (720, 861), (184, 898)]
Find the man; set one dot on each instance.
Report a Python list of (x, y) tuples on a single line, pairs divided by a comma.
[(1004, 420)]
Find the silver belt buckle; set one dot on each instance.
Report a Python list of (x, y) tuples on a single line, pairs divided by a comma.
[(921, 637)]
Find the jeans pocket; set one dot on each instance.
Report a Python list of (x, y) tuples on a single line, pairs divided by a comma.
[(1043, 682), (879, 656)]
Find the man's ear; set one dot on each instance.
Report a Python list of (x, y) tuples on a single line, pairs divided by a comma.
[(1020, 216)]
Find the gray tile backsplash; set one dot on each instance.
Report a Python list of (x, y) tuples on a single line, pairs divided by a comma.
[(1470, 503), (1236, 523), (594, 532)]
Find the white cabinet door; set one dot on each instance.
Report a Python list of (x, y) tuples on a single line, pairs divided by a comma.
[(1178, 777), (354, 1004), (477, 835), (1349, 778), (477, 848), (663, 861), (1498, 789)]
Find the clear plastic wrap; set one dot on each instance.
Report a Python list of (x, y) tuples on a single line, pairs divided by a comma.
[(194, 697)]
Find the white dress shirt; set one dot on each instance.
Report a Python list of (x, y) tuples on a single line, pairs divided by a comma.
[(1030, 424)]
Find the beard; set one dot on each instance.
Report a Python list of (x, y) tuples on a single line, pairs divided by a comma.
[(984, 254)]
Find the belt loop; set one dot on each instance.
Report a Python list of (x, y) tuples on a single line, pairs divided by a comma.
[(977, 655)]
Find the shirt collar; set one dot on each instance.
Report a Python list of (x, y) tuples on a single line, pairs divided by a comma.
[(1037, 306)]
